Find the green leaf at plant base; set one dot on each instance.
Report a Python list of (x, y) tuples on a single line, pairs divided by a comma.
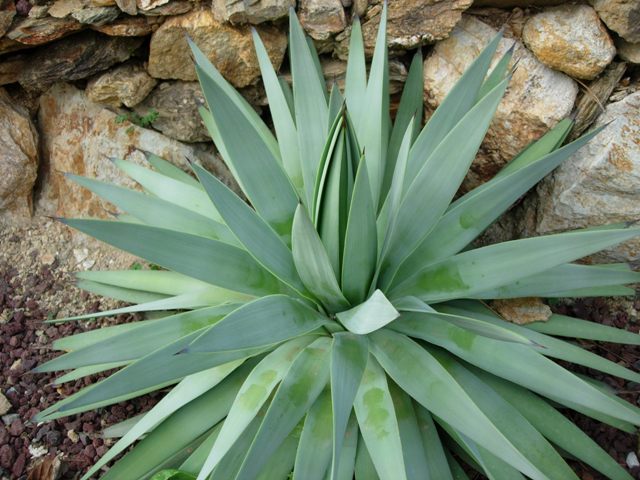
[(349, 356), (314, 451), (299, 389), (374, 313), (563, 326), (436, 459), (378, 423)]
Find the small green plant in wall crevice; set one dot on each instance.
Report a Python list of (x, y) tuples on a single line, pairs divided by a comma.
[(336, 326), (144, 121)]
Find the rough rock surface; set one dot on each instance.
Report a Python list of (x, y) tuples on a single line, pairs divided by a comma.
[(36, 31), (522, 310), (64, 8), (126, 84), (251, 11), (75, 58), (19, 157), (621, 16), (409, 23), (537, 97), (145, 5), (177, 105), (516, 3), (7, 12), (229, 48), (322, 18), (629, 52), (600, 184), (570, 38), (80, 137), (96, 15)]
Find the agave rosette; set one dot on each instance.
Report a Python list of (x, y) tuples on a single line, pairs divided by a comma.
[(336, 326)]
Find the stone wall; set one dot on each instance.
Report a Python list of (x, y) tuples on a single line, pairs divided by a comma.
[(82, 81)]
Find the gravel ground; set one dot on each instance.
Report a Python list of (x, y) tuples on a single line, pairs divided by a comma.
[(36, 283)]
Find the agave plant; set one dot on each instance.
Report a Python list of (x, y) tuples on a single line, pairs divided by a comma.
[(337, 324)]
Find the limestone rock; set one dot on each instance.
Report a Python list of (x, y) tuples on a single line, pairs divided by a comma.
[(64, 8), (150, 4), (129, 26), (80, 137), (126, 84), (128, 6), (360, 7), (537, 97), (322, 18), (599, 184), (74, 58), (621, 16), (516, 3), (177, 105), (229, 48), (570, 38), (410, 23), (175, 7), (629, 52), (36, 31), (5, 405), (7, 12), (19, 158), (251, 11), (96, 15), (522, 310)]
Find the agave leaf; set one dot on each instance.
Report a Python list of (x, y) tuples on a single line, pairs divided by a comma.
[(413, 452), (349, 355), (313, 264), (457, 471), (288, 94), (369, 316), (282, 116), (194, 462), (408, 118), (347, 460), (171, 190), (436, 459), (253, 394), (518, 363), (263, 322), (555, 426), (155, 211), (124, 294), (136, 343), (360, 246), (282, 461), (192, 413), (563, 326), (309, 97), (158, 281), (508, 420), (486, 329), (158, 369), (257, 170), (437, 181), (356, 76), (252, 119), (85, 372), (168, 169), (189, 389), (470, 215), (553, 282), (332, 151), (497, 74), (205, 259), (314, 451), (378, 423), (299, 389), (364, 468), (259, 239), (490, 267), (453, 108), (419, 374), (232, 461), (548, 346), (90, 337), (336, 101), (373, 127)]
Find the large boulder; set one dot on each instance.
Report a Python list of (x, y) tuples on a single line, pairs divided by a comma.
[(537, 98), (410, 23), (570, 38), (600, 184), (81, 137), (621, 16), (251, 11), (18, 160), (229, 48), (322, 18)]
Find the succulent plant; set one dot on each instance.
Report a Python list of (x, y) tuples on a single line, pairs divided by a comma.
[(337, 323)]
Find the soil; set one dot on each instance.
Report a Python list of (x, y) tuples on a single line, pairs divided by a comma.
[(36, 283)]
